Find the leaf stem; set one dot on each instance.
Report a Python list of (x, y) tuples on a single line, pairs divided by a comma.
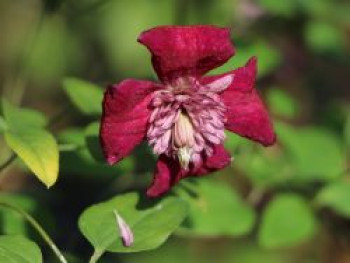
[(38, 228), (96, 256), (255, 195), (4, 165)]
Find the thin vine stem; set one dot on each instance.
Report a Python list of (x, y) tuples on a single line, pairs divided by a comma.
[(4, 165), (38, 228)]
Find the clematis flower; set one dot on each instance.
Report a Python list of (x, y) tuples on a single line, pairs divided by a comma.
[(183, 117)]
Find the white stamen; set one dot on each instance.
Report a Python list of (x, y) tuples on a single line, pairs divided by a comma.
[(184, 154)]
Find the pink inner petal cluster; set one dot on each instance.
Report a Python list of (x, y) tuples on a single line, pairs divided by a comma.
[(184, 117), (187, 115)]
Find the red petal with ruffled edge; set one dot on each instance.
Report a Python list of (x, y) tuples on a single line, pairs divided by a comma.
[(246, 113), (125, 116), (169, 172), (187, 50)]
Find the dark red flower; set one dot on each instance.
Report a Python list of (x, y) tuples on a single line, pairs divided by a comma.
[(184, 117)]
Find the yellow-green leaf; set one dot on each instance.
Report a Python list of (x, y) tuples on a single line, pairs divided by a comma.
[(38, 150), (19, 118)]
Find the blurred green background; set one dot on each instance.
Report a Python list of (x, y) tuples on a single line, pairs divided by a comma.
[(286, 203)]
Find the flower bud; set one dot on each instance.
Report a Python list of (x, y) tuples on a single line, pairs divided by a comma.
[(124, 230)]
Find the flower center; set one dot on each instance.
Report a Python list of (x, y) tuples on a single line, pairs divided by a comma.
[(186, 122)]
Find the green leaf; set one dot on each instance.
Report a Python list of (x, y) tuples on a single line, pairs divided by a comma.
[(265, 167), (93, 141), (316, 153), (17, 249), (323, 36), (75, 136), (150, 224), (87, 97), (38, 150), (3, 125), (12, 222), (335, 196), (20, 118), (282, 104), (82, 163), (234, 142), (318, 8), (216, 209), (286, 221)]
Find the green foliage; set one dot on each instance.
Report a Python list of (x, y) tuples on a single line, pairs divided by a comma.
[(316, 153), (129, 56), (3, 125), (335, 196), (268, 58), (55, 51), (301, 45), (17, 249), (215, 210), (285, 8), (12, 222), (87, 97), (287, 221), (211, 250), (150, 225), (317, 8), (93, 141), (322, 36), (36, 147), (282, 104), (265, 168), (173, 251), (16, 118), (86, 159), (38, 150)]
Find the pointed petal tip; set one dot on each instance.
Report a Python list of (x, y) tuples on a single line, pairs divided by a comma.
[(252, 60), (111, 160), (270, 141)]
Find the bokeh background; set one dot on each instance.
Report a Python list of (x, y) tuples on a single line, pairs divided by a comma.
[(286, 203)]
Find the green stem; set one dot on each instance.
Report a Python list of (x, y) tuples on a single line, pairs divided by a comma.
[(4, 165), (38, 228), (255, 196), (96, 256)]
